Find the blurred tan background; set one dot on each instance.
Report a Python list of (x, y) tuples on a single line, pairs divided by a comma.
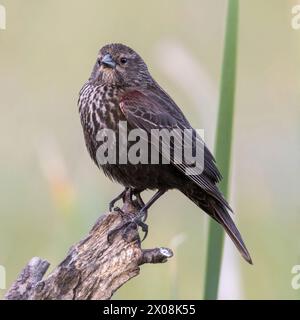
[(51, 193)]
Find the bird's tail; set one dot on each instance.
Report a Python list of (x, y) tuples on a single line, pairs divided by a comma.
[(219, 213)]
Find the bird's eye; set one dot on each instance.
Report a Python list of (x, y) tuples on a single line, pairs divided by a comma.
[(123, 60), (99, 62)]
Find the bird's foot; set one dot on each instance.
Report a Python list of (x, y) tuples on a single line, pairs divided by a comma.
[(140, 219), (118, 209), (117, 198), (124, 228), (127, 195)]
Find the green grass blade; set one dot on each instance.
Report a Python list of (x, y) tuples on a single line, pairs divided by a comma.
[(223, 147)]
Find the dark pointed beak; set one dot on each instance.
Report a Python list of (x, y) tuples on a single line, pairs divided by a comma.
[(108, 61)]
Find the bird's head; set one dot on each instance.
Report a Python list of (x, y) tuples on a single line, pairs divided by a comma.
[(118, 64)]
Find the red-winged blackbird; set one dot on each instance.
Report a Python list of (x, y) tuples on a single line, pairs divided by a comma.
[(121, 88)]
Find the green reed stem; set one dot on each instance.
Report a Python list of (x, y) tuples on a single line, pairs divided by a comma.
[(223, 147)]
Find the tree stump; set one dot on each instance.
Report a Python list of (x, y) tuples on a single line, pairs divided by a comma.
[(93, 268)]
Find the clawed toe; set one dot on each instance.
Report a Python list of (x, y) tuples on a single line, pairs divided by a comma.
[(140, 218), (114, 232), (117, 198), (119, 210), (138, 221), (144, 227)]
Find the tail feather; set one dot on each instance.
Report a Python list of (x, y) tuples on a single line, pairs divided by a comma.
[(220, 214), (223, 217)]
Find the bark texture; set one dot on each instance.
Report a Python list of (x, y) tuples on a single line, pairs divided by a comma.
[(93, 268)]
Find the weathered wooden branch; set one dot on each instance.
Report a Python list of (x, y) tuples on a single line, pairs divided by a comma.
[(93, 268)]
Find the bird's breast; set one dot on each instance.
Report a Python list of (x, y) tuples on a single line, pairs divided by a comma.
[(99, 108)]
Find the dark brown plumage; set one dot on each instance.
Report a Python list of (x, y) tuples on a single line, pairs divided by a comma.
[(121, 89)]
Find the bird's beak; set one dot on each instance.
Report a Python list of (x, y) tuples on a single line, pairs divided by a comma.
[(108, 61)]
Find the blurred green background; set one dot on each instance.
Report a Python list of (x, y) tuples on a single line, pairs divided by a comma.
[(51, 193)]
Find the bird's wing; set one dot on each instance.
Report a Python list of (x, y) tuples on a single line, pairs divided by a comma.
[(147, 110)]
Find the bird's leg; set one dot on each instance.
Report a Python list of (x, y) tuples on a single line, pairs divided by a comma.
[(127, 198), (140, 217), (138, 199), (117, 198)]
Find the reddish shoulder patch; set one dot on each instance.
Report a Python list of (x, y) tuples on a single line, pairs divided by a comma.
[(131, 96)]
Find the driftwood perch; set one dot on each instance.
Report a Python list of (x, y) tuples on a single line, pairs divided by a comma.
[(93, 268)]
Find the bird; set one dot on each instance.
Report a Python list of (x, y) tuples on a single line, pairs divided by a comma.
[(121, 89)]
